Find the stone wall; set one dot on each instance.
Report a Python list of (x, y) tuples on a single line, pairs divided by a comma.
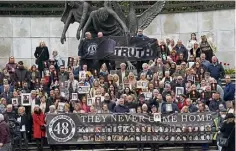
[(20, 35)]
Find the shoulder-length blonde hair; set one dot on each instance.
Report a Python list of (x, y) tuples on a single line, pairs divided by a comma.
[(42, 43)]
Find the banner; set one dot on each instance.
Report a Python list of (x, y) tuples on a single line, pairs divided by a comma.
[(129, 128), (119, 48)]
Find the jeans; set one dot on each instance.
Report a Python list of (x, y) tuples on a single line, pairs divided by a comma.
[(6, 147), (24, 136), (219, 147)]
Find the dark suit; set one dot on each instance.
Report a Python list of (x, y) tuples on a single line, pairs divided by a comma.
[(43, 55), (120, 75)]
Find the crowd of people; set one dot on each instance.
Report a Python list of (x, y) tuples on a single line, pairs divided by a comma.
[(182, 79)]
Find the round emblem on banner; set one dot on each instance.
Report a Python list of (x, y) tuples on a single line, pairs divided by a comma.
[(92, 49), (62, 128)]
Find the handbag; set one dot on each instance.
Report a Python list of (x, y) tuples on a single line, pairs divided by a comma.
[(42, 127), (224, 142), (37, 59)]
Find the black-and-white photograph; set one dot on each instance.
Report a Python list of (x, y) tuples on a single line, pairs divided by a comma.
[(83, 89), (61, 107), (14, 101), (157, 117), (89, 101), (148, 95), (178, 91), (74, 96), (139, 84), (25, 99), (98, 101)]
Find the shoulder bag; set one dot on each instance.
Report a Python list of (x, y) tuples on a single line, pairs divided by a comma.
[(37, 59), (42, 127), (224, 142)]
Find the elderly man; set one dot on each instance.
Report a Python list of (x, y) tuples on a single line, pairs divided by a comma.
[(229, 90), (9, 114), (121, 108), (216, 70), (146, 70), (154, 100), (180, 48), (169, 106), (205, 63), (122, 73), (5, 144)]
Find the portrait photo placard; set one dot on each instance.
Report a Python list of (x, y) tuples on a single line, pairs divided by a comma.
[(14, 101), (89, 101), (157, 117), (74, 96), (61, 107), (26, 99), (83, 89), (82, 75), (139, 84), (147, 95), (179, 90)]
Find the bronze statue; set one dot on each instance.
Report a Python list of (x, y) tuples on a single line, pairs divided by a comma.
[(106, 20), (135, 22), (75, 11), (113, 20)]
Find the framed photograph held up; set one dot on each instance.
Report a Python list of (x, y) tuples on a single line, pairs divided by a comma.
[(26, 99)]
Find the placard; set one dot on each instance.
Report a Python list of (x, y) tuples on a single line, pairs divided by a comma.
[(14, 101), (83, 89), (26, 99), (178, 91)]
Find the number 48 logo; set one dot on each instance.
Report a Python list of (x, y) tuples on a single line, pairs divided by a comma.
[(62, 128)]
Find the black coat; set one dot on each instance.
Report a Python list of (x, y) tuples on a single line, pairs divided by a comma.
[(22, 75), (42, 56), (198, 52), (24, 121), (226, 129)]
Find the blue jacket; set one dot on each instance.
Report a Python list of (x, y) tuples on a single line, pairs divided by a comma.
[(76, 72), (121, 109), (192, 108), (214, 105), (229, 92), (174, 108), (216, 71), (182, 50)]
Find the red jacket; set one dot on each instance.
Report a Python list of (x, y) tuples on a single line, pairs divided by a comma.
[(174, 58), (38, 120), (181, 104)]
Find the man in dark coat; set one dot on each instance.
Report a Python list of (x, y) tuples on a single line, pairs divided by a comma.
[(229, 90), (22, 74), (41, 54), (121, 108), (180, 48), (5, 144), (216, 70)]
